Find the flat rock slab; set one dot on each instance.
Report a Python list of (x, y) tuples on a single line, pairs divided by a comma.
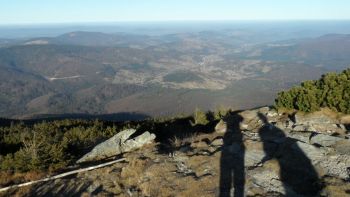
[(325, 140)]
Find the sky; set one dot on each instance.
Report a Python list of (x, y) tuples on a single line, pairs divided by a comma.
[(76, 11)]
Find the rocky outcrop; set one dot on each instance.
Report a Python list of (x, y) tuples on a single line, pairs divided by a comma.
[(317, 122), (287, 154), (256, 152), (317, 143), (119, 143)]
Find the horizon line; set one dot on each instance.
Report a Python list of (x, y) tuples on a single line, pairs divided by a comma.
[(164, 21)]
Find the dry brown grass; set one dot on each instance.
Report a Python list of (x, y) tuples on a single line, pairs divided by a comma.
[(286, 111), (19, 192), (330, 113), (323, 111), (131, 173), (6, 178), (178, 142), (345, 119), (164, 182), (151, 178), (9, 178), (160, 178)]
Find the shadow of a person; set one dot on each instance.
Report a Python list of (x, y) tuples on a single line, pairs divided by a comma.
[(232, 174), (296, 170)]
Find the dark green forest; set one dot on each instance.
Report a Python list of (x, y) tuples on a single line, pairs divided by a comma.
[(332, 90)]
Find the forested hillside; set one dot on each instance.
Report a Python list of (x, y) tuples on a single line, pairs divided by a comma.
[(98, 73)]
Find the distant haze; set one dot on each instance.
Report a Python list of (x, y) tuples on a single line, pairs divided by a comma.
[(291, 29), (161, 68)]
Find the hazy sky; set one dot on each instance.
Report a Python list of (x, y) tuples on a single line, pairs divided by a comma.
[(71, 11)]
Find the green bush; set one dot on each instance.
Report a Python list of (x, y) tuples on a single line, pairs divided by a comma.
[(332, 91), (200, 117), (220, 112)]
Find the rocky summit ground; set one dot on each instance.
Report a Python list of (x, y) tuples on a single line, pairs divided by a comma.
[(251, 153)]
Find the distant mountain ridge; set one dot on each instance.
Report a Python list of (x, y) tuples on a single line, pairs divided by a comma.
[(327, 50)]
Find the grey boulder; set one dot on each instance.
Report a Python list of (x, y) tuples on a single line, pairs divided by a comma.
[(119, 143)]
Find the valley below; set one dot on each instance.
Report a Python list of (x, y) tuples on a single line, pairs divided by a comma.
[(96, 73)]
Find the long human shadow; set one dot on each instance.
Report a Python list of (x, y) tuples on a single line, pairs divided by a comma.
[(297, 173), (232, 175)]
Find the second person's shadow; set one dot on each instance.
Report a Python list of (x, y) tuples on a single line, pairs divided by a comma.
[(297, 173)]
